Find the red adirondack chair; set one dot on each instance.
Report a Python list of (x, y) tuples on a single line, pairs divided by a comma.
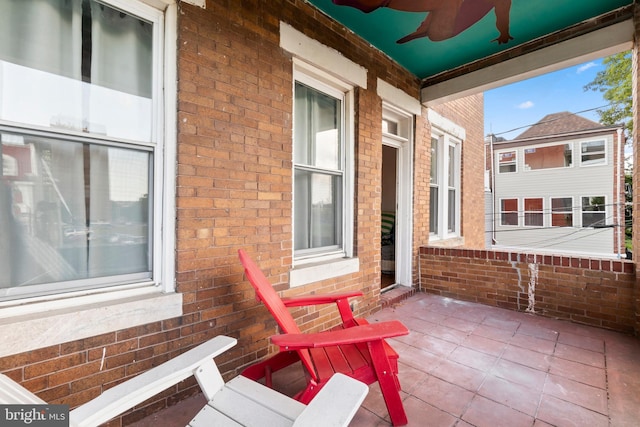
[(355, 348)]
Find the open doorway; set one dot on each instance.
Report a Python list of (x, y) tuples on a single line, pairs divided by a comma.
[(396, 198), (389, 215)]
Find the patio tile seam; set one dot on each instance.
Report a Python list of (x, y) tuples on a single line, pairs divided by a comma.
[(561, 373), (477, 395), (462, 411), (567, 399), (542, 417), (607, 383), (551, 353)]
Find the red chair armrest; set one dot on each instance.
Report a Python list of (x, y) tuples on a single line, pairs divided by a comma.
[(318, 299), (341, 299), (353, 335)]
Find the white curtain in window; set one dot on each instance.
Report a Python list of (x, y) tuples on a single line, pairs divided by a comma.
[(40, 60), (76, 64), (42, 34), (121, 51)]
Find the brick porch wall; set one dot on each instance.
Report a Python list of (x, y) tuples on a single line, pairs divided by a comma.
[(596, 292)]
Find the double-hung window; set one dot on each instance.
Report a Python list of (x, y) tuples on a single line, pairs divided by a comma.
[(562, 211), (594, 212), (81, 139), (509, 212), (444, 220), (507, 162), (592, 153), (533, 212), (321, 199)]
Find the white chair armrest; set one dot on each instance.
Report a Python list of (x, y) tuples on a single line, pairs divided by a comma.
[(12, 393), (126, 395), (335, 405)]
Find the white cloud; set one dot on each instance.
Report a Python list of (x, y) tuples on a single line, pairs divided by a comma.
[(525, 105), (585, 67)]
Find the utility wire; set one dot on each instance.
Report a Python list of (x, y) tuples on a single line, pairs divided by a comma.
[(570, 240), (552, 120), (572, 209)]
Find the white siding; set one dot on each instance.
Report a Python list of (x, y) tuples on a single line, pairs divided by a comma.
[(488, 222), (575, 181)]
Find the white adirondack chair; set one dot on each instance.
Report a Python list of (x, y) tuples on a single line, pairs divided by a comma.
[(239, 402)]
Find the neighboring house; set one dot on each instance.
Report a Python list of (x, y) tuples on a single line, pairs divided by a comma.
[(559, 187), (145, 142)]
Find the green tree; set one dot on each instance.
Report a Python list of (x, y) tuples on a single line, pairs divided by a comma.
[(614, 82)]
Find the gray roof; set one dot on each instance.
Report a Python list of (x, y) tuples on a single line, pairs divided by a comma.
[(559, 123)]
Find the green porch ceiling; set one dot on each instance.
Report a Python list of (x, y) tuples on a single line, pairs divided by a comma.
[(528, 20)]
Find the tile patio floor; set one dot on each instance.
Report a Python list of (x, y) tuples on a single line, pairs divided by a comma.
[(466, 364)]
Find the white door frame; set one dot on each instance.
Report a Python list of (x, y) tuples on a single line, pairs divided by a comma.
[(404, 195)]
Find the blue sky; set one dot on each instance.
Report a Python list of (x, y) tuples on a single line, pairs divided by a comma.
[(524, 103)]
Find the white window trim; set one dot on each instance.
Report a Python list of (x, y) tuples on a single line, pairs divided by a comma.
[(500, 211), (308, 269), (498, 153), (398, 98), (457, 145), (606, 212), (571, 209), (404, 196), (318, 271), (55, 319), (524, 157), (525, 212), (328, 65), (445, 140), (322, 57), (605, 160)]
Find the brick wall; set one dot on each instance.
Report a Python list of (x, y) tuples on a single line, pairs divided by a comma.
[(234, 190), (468, 113), (421, 192), (590, 291)]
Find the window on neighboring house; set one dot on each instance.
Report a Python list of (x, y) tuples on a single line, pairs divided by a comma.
[(562, 212), (321, 208), (533, 212), (509, 212), (444, 220), (507, 162), (592, 153), (79, 113), (593, 211), (548, 157)]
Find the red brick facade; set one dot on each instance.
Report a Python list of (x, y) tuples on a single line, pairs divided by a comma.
[(590, 291), (234, 190), (465, 113)]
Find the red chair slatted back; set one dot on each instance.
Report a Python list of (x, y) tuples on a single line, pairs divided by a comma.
[(270, 298)]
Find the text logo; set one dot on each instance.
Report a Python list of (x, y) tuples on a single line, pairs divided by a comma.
[(34, 415)]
